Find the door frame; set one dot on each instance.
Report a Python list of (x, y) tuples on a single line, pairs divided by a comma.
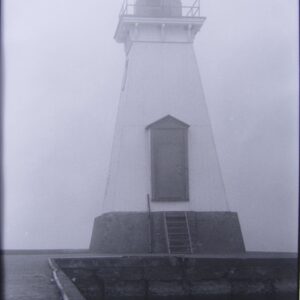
[(169, 123)]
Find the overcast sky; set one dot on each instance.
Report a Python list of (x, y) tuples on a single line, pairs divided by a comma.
[(63, 73)]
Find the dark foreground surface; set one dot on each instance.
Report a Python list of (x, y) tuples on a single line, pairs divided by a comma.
[(241, 277), (233, 277), (28, 277)]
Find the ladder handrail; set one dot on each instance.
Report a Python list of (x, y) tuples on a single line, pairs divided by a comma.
[(189, 233), (167, 233)]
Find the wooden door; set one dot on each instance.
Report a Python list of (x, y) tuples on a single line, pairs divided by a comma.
[(169, 164)]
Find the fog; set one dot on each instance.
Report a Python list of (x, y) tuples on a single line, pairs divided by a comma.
[(62, 79)]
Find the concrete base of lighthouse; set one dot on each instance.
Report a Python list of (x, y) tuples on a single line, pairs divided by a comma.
[(135, 232)]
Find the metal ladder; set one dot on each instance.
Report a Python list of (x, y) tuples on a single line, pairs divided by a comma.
[(178, 233)]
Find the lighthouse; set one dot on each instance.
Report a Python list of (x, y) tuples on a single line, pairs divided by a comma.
[(165, 192)]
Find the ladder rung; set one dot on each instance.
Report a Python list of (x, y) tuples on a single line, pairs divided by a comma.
[(172, 241), (177, 228), (183, 249), (178, 234), (179, 243), (179, 248)]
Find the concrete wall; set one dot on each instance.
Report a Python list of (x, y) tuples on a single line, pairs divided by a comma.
[(218, 278), (134, 232)]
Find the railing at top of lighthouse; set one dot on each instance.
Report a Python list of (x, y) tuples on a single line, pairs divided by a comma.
[(162, 8)]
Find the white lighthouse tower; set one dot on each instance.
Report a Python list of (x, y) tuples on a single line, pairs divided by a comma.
[(165, 192)]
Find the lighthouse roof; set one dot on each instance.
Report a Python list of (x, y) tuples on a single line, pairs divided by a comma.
[(161, 8), (158, 8), (168, 122)]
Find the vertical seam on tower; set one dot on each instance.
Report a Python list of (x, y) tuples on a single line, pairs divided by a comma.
[(125, 75), (111, 155), (118, 161)]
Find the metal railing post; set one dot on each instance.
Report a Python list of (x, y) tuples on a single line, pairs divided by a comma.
[(150, 225)]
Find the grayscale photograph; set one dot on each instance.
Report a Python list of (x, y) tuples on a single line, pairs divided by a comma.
[(150, 149)]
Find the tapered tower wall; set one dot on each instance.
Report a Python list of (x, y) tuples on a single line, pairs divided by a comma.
[(162, 79)]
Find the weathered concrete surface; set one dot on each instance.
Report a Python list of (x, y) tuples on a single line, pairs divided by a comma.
[(28, 277), (247, 277), (129, 232), (67, 288), (121, 233)]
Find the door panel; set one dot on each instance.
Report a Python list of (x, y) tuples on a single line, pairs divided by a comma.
[(169, 165)]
